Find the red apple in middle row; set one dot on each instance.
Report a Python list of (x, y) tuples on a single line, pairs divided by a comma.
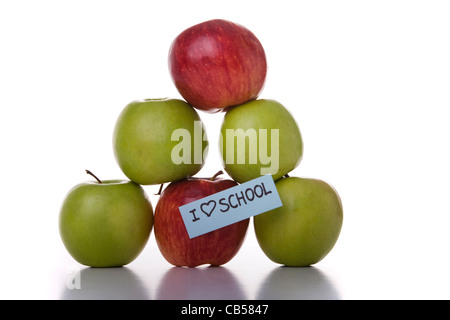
[(217, 64), (216, 247)]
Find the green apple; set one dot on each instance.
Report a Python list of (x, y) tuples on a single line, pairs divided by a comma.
[(105, 223), (159, 140), (305, 229), (260, 137)]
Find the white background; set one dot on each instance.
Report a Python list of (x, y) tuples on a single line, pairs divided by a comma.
[(367, 81)]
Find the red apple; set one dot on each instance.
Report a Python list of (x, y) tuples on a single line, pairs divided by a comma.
[(217, 64), (216, 247)]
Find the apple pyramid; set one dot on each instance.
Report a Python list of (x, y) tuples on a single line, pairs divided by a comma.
[(217, 66)]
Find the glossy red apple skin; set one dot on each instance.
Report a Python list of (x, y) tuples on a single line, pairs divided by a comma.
[(217, 64), (216, 247)]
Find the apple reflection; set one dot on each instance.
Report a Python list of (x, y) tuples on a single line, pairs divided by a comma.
[(291, 283), (201, 283), (105, 284)]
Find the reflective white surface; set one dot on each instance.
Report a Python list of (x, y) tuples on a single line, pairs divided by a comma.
[(368, 83), (250, 275), (150, 277)]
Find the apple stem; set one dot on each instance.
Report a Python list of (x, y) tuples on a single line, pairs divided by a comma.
[(160, 190), (286, 175), (90, 173), (216, 175)]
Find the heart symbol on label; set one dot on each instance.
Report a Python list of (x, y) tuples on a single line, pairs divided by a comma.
[(209, 207)]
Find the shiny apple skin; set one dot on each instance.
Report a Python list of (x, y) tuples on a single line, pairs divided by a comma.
[(305, 229), (106, 224), (216, 247), (217, 64)]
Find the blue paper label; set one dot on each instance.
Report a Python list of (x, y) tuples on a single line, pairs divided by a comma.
[(230, 206)]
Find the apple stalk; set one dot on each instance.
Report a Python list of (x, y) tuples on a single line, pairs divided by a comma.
[(90, 173), (220, 172)]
